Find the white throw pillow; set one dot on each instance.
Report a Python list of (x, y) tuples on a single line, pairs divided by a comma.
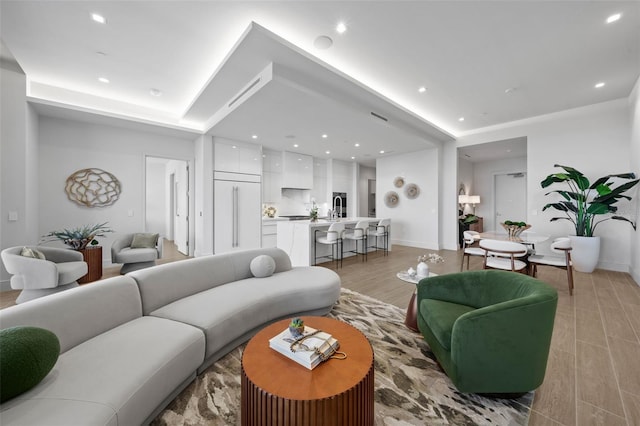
[(262, 266), (31, 252)]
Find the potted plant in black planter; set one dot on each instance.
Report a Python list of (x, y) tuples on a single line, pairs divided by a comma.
[(586, 205)]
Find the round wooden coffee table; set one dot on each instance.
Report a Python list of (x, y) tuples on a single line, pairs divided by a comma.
[(278, 391)]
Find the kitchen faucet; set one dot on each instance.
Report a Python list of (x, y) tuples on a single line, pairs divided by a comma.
[(335, 207)]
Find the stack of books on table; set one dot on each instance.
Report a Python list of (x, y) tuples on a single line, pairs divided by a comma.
[(310, 351)]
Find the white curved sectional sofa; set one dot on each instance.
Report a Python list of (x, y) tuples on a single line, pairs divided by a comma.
[(130, 344)]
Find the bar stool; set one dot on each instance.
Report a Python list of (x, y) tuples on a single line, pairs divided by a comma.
[(381, 230), (332, 237), (503, 254), (359, 234)]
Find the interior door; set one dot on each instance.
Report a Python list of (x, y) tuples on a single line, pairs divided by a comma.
[(510, 198)]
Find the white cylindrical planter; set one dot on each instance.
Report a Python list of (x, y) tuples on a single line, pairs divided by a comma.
[(585, 252)]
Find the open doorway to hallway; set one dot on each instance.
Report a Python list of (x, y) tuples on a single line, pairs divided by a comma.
[(167, 200)]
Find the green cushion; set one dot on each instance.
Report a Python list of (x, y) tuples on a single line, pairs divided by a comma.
[(440, 316), (144, 240), (31, 252), (27, 354)]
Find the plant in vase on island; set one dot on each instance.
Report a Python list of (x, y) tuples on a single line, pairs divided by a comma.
[(583, 204)]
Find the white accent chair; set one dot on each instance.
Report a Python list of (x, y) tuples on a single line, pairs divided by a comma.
[(470, 247), (359, 234), (60, 270), (380, 230), (504, 255), (562, 246), (332, 237), (134, 258)]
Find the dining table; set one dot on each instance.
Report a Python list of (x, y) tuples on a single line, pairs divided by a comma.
[(526, 237)]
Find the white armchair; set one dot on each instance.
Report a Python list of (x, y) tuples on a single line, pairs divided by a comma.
[(58, 271), (136, 251)]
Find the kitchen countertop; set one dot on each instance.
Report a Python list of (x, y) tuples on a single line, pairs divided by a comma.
[(327, 222)]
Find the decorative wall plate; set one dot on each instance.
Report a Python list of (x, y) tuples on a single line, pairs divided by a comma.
[(391, 199), (398, 182), (92, 188), (412, 191)]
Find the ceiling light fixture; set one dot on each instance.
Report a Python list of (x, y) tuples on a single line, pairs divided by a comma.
[(322, 42), (341, 27), (327, 152), (254, 136), (599, 85), (155, 92), (295, 145), (461, 119), (98, 18), (381, 151), (356, 145), (324, 136), (614, 18), (353, 158), (422, 89), (103, 80)]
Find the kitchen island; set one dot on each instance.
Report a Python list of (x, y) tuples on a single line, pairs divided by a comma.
[(296, 237)]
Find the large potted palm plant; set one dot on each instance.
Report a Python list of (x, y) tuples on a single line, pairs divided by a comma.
[(586, 205)]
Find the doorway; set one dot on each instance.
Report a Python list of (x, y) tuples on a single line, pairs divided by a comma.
[(510, 191), (167, 200)]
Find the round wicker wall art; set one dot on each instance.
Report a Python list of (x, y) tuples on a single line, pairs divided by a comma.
[(92, 188), (391, 199), (412, 191)]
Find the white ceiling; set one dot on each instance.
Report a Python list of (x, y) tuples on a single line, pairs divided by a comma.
[(549, 54)]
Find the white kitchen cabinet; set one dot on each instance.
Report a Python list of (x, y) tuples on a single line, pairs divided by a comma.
[(271, 176), (237, 212), (297, 170), (269, 233), (319, 190), (237, 157)]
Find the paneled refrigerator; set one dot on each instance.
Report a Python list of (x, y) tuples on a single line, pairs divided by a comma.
[(237, 213)]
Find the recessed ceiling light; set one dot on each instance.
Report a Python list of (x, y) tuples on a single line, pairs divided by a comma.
[(98, 18), (353, 158), (356, 145), (599, 85), (295, 145), (327, 152), (510, 90), (381, 151), (461, 119), (341, 27), (614, 18), (155, 92), (103, 80), (322, 42), (422, 89), (254, 136), (324, 136), (101, 53), (234, 147)]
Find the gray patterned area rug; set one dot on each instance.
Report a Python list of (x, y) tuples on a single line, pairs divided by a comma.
[(410, 387)]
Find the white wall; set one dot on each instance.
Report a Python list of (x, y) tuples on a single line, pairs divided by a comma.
[(413, 222), (203, 196), (593, 139), (18, 164), (634, 113), (67, 146)]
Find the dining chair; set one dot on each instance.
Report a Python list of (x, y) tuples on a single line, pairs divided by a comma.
[(561, 246), (504, 255), (470, 247), (331, 237)]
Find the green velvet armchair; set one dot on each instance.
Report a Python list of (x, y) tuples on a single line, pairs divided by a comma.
[(490, 330)]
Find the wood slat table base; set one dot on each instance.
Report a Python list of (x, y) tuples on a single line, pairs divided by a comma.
[(93, 256), (352, 405)]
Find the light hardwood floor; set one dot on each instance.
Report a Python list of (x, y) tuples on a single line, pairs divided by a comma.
[(593, 373)]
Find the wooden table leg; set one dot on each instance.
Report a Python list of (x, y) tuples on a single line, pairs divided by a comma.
[(411, 320)]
